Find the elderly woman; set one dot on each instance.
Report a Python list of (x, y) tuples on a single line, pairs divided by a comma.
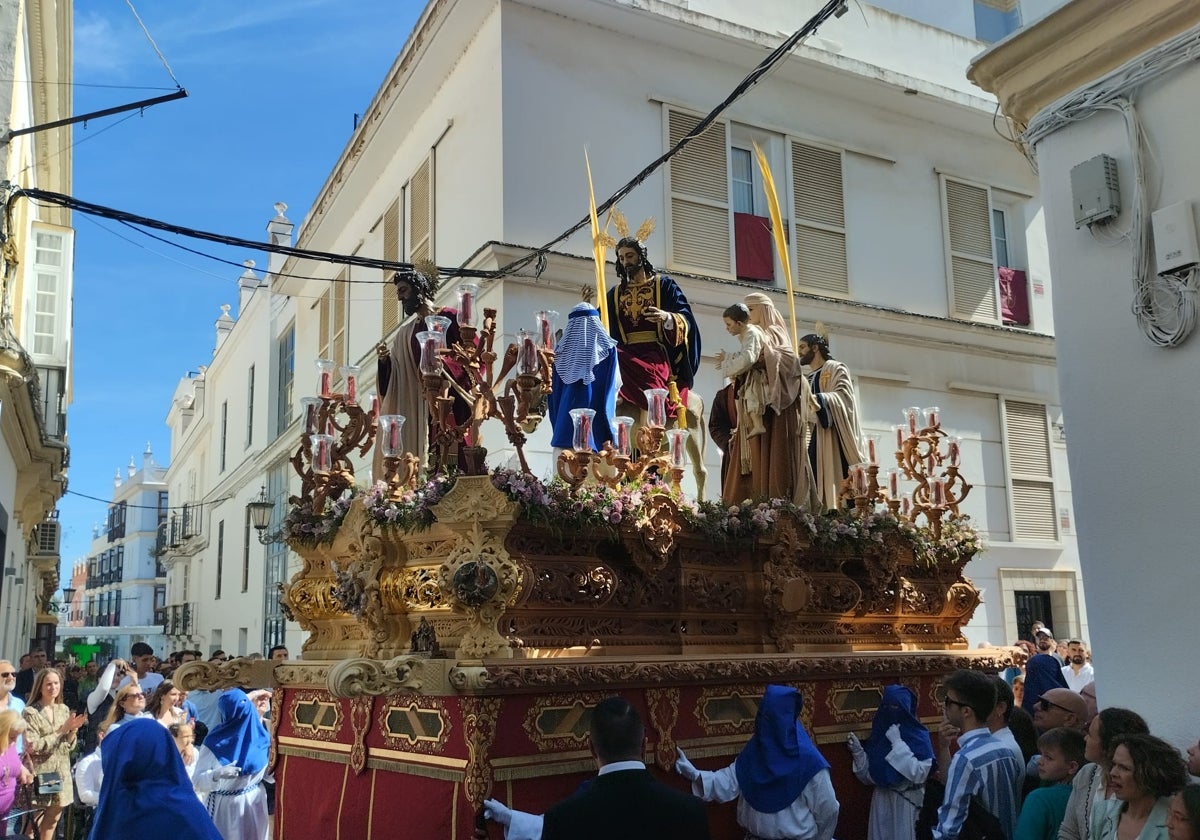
[(1144, 773), (146, 791), (12, 772), (1090, 788), (1183, 820), (50, 730)]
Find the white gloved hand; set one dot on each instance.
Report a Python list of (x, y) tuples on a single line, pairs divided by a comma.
[(229, 771), (497, 811), (854, 744), (893, 734), (685, 768)]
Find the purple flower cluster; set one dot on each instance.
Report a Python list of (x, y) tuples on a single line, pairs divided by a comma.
[(304, 525), (413, 510)]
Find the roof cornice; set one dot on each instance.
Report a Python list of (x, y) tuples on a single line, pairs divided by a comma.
[(1072, 46)]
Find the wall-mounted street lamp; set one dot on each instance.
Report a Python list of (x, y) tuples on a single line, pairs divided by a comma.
[(68, 593), (260, 517)]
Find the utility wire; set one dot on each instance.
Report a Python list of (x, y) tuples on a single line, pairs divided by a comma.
[(831, 8), (146, 32), (111, 502)]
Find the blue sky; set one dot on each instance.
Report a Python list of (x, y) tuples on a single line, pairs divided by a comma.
[(273, 86)]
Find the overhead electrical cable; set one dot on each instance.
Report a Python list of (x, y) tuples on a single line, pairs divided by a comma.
[(833, 8)]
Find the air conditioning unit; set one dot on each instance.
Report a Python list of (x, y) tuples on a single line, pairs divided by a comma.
[(46, 539)]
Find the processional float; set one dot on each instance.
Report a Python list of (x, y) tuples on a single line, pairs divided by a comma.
[(462, 620)]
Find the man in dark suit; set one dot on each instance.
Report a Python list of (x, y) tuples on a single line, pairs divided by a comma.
[(624, 802), (37, 662)]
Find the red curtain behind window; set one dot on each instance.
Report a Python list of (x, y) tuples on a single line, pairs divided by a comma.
[(752, 244)]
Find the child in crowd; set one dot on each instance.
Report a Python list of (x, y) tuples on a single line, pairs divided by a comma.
[(1060, 759)]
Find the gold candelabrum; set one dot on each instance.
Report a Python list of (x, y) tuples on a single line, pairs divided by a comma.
[(334, 425), (925, 455), (515, 405), (613, 465)]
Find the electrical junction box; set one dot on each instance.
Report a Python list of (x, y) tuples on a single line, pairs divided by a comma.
[(1175, 247), (1095, 191)]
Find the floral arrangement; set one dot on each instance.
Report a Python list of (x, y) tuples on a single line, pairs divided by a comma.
[(304, 525), (601, 508), (413, 511)]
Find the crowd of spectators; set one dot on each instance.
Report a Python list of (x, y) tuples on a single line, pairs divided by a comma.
[(111, 747)]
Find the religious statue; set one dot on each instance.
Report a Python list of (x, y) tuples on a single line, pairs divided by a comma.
[(766, 453), (658, 341), (400, 384), (835, 443), (584, 376)]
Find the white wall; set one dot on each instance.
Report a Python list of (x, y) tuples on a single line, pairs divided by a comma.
[(1130, 410)]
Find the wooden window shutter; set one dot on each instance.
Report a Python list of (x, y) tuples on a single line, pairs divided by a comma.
[(420, 214), (391, 253), (323, 325), (340, 290), (1027, 438), (969, 260), (698, 178), (819, 205)]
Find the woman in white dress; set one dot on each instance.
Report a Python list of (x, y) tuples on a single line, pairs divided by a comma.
[(230, 767)]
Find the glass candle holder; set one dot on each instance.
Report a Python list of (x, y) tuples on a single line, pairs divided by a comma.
[(437, 323), (955, 446), (939, 490), (899, 431), (325, 368), (350, 374), (310, 412), (861, 479), (431, 344), (906, 505), (624, 430), (871, 445), (656, 406), (545, 326), (390, 427), (933, 416), (581, 423), (322, 454), (893, 483), (468, 299), (677, 447), (912, 416), (371, 402), (527, 354)]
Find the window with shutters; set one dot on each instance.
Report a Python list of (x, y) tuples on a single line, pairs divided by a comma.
[(1031, 481), (391, 253), (700, 237), (324, 349), (285, 360), (47, 322), (419, 194), (719, 222), (819, 209), (340, 290), (970, 256), (250, 406)]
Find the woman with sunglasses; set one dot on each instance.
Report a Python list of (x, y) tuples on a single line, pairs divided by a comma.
[(1090, 788), (50, 730), (1144, 773), (130, 703)]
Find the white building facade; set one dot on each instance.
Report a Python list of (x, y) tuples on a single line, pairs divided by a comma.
[(123, 594), (35, 315), (1124, 327), (915, 230)]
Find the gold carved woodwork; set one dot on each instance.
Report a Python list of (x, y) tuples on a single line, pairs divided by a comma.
[(361, 676), (360, 723), (663, 705), (479, 730)]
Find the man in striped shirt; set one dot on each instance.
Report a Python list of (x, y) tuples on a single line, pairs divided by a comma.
[(983, 765)]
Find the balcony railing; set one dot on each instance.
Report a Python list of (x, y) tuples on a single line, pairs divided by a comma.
[(178, 619)]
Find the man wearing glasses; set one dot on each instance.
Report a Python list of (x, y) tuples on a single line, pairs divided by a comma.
[(983, 766), (1059, 707), (8, 700)]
